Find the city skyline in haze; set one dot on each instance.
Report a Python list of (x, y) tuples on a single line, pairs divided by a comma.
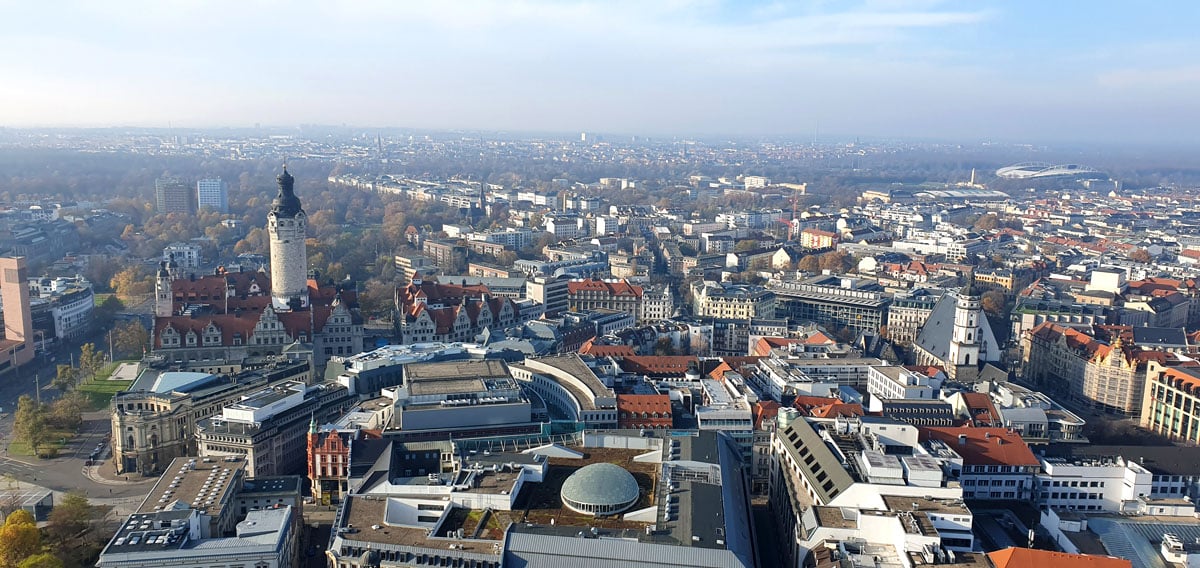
[(1018, 71)]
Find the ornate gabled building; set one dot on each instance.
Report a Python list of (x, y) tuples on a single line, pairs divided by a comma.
[(432, 311), (1109, 378), (215, 322)]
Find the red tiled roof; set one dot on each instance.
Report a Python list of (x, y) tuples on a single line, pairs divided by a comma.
[(622, 288), (659, 403), (818, 338), (983, 411), (1076, 340), (806, 403), (658, 364), (984, 446), (1013, 557), (838, 409), (765, 410), (764, 345), (616, 351)]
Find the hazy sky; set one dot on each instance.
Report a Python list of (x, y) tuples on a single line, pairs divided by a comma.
[(1041, 70)]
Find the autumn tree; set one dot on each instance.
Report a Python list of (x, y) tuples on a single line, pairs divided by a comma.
[(130, 338), (91, 360), (993, 301), (41, 560), (987, 222), (745, 245), (66, 411), (1141, 255), (131, 282), (377, 298), (810, 263), (19, 539), (836, 261), (70, 517), (664, 346), (506, 258), (66, 378), (29, 423)]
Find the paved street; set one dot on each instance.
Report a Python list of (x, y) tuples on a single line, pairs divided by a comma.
[(69, 471)]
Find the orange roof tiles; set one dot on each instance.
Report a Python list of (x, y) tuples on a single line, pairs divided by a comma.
[(659, 403), (658, 364), (616, 351), (1013, 557), (765, 410), (838, 410), (984, 446), (764, 345), (621, 288)]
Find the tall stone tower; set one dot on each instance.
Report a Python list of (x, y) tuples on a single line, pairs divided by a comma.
[(963, 356), (287, 226), (163, 301)]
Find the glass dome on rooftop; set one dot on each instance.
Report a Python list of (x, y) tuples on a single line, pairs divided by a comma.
[(600, 489)]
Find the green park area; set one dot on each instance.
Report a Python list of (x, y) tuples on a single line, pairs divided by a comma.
[(43, 427)]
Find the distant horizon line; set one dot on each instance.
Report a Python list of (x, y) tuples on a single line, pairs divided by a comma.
[(617, 136)]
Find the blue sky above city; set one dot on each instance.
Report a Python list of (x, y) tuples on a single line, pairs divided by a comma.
[(1021, 71)]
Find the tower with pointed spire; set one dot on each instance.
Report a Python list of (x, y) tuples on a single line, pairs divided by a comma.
[(287, 226)]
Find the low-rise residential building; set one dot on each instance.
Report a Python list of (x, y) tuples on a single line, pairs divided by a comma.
[(411, 265), (816, 239), (646, 411), (892, 382), (185, 255), (658, 303)]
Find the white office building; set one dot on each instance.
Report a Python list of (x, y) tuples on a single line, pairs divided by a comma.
[(213, 193)]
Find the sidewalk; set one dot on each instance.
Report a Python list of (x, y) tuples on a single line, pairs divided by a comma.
[(105, 473)]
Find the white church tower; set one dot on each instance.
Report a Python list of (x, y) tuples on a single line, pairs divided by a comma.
[(287, 226), (965, 339)]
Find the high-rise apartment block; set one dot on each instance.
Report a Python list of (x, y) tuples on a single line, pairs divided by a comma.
[(172, 195), (213, 193)]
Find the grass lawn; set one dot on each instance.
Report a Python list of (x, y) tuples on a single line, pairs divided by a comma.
[(56, 441), (100, 391)]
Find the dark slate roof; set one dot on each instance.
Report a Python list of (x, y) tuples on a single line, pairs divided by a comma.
[(1160, 460), (286, 204), (1148, 336), (935, 334)]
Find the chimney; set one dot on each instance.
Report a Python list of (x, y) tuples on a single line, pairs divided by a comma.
[(962, 439), (999, 441)]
